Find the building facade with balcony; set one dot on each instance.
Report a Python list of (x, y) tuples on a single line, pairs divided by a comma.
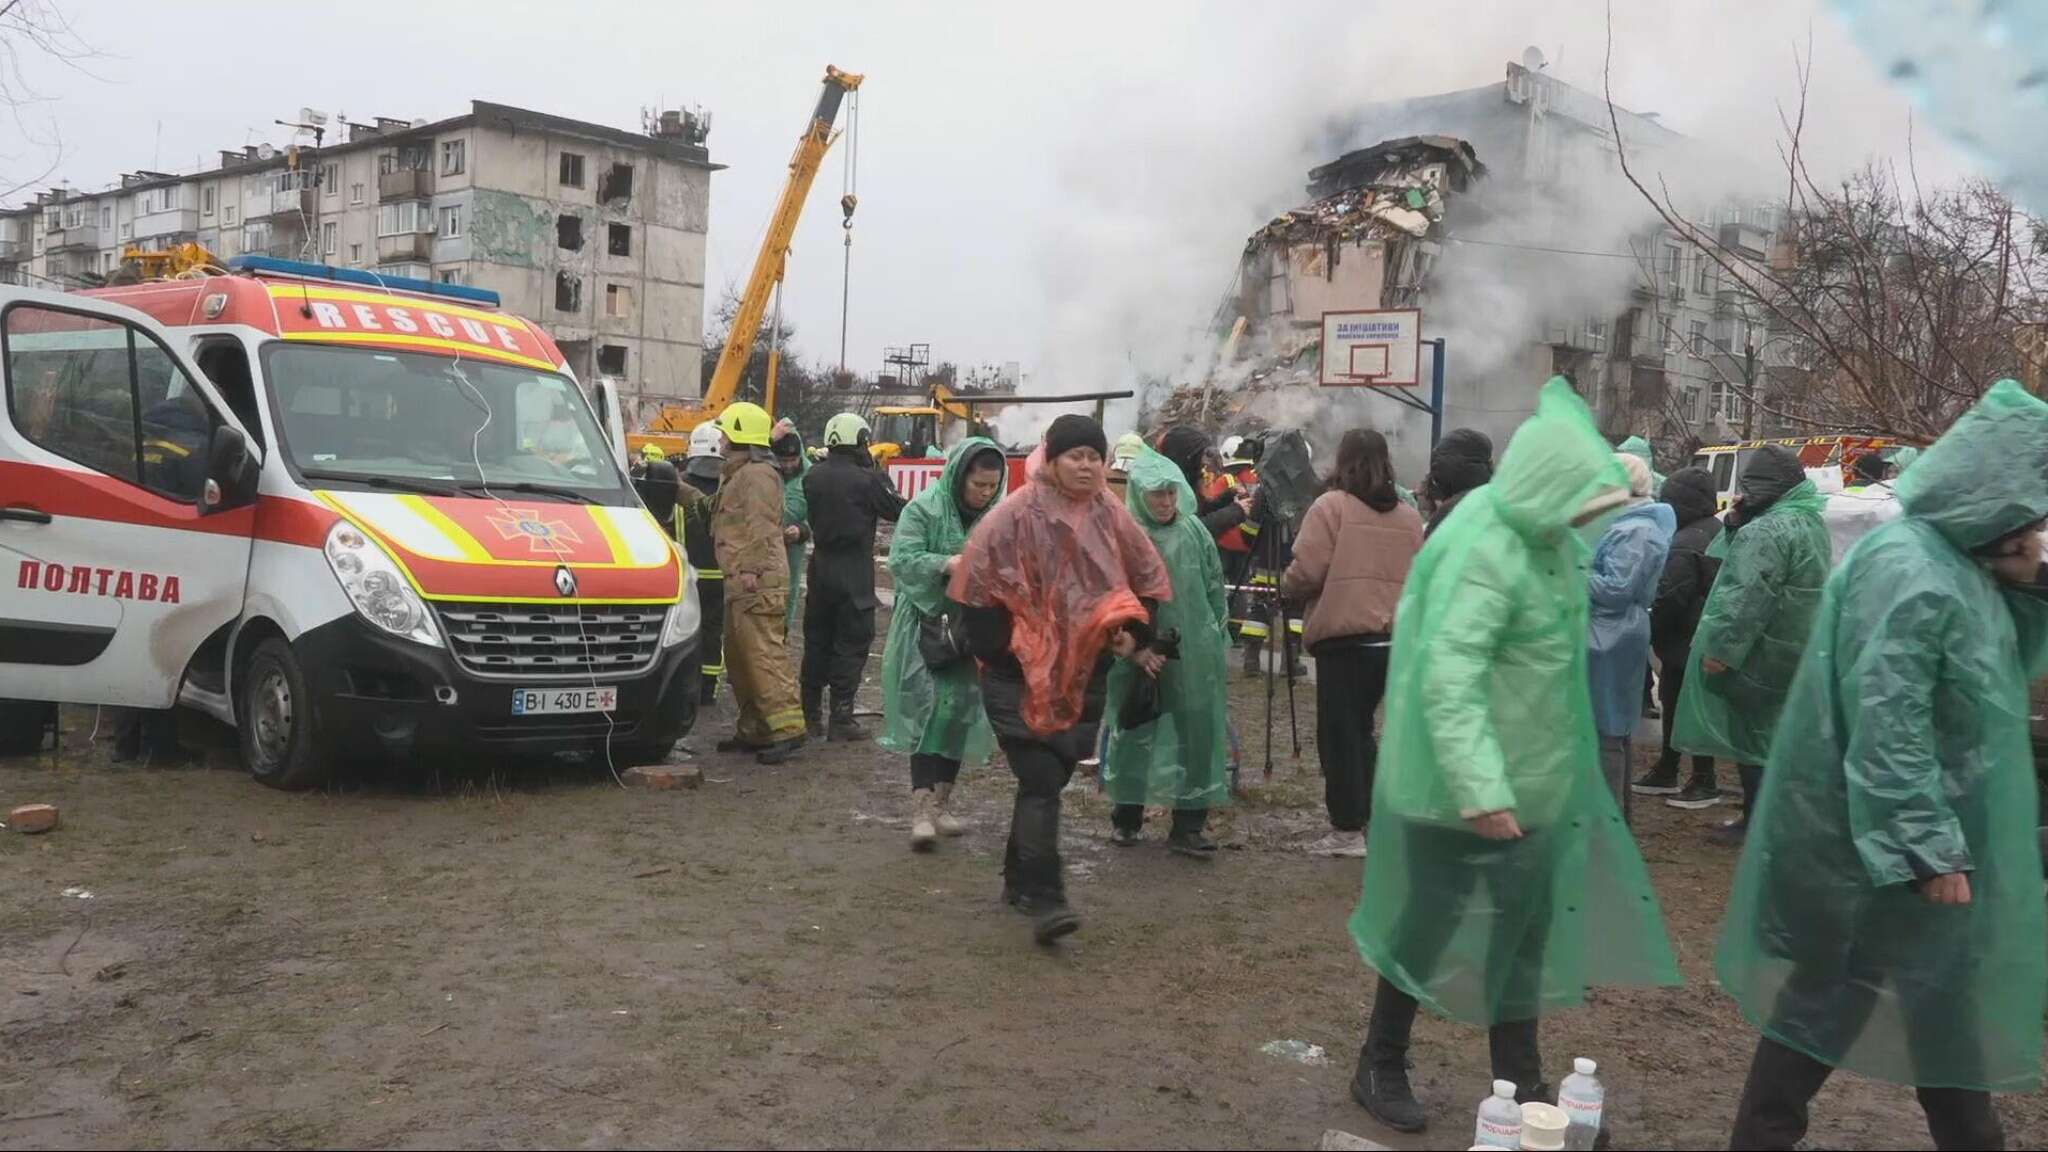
[(597, 233)]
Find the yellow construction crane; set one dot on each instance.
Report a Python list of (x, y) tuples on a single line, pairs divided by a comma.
[(671, 427)]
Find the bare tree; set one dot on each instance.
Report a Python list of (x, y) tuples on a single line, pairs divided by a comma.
[(1892, 308), (32, 30)]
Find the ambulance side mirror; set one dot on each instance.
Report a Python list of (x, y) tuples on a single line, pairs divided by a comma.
[(230, 473)]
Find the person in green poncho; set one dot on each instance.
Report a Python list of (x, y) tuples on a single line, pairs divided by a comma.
[(1774, 555), (1639, 448), (1501, 882), (934, 715), (793, 463), (1887, 915), (1180, 759)]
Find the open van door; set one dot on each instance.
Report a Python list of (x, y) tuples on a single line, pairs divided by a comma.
[(127, 504), (604, 396)]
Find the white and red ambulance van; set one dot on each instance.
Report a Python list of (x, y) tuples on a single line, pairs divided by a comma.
[(350, 515)]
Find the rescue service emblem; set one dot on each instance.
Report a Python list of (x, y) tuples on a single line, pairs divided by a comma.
[(542, 534), (565, 581)]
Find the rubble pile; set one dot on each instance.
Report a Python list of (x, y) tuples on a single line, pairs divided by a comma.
[(1377, 212)]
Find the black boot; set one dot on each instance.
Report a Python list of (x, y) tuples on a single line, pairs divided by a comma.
[(1035, 825), (814, 710), (1772, 1111), (1380, 1083), (1517, 1058), (1188, 837), (844, 727)]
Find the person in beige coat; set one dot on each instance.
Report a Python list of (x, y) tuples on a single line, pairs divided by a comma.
[(1350, 560)]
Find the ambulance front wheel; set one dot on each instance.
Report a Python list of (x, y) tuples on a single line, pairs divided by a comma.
[(275, 720)]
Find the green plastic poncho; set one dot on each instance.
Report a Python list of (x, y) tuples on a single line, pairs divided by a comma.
[(1756, 622), (924, 712), (796, 509), (1488, 709), (1904, 754), (1640, 448), (1182, 759)]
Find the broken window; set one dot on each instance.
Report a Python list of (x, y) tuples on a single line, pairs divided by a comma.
[(569, 232), (568, 293), (619, 239), (572, 170), (452, 157), (616, 184), (618, 300), (611, 359)]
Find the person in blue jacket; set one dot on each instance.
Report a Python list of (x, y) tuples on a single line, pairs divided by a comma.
[(1623, 584)]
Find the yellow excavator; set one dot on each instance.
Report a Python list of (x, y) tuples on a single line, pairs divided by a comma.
[(670, 428)]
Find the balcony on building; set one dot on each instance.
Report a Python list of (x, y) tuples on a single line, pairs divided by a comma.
[(179, 222), (295, 204), (11, 249), (80, 238), (405, 248), (405, 184)]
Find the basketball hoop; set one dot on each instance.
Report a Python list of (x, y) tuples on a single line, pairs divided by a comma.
[(1372, 348)]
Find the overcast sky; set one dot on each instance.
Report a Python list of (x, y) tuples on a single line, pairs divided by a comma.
[(1062, 184)]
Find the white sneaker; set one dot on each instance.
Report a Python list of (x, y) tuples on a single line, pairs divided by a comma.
[(1346, 844), (923, 827)]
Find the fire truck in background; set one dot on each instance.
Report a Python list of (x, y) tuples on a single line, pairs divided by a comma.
[(349, 515), (1725, 461)]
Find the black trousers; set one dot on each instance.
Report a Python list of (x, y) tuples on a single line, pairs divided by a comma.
[(1131, 817), (1350, 680), (839, 626), (1031, 862), (1669, 681), (1782, 1083), (1514, 953), (927, 771), (711, 636)]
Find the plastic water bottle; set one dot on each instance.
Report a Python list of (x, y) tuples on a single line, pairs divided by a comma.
[(1500, 1119), (1582, 1098)]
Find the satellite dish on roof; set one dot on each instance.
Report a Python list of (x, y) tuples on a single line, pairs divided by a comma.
[(1532, 59)]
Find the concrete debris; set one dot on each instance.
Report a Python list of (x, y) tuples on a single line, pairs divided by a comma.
[(1338, 1140), (1372, 213), (663, 777), (31, 818)]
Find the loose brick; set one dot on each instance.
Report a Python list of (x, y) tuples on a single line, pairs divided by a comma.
[(33, 818), (664, 777)]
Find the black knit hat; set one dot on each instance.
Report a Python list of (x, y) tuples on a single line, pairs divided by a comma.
[(1074, 431)]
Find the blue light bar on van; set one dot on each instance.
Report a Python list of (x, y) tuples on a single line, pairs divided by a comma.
[(311, 271)]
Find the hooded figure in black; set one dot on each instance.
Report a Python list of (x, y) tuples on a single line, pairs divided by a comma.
[(1681, 594), (1461, 461), (1186, 445), (846, 495), (693, 527)]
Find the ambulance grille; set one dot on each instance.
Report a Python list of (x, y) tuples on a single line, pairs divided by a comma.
[(537, 640)]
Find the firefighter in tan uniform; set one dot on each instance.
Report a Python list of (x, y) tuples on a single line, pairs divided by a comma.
[(746, 529)]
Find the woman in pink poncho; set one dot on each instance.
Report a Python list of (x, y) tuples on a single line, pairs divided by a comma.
[(1055, 580)]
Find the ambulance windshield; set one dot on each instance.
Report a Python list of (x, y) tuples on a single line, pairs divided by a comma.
[(417, 416)]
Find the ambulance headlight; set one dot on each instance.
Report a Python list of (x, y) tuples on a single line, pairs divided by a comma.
[(376, 587), (688, 613)]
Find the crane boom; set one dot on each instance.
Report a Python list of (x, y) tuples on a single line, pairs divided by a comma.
[(811, 147)]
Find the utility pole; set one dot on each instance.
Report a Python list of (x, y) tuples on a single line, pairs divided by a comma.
[(1749, 387)]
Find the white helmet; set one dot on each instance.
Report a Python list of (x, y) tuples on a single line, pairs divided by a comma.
[(707, 440), (1230, 446)]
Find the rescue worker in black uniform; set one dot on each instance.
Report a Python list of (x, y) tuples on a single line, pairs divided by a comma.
[(693, 528), (846, 496)]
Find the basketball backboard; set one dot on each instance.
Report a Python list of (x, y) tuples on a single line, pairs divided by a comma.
[(1372, 348)]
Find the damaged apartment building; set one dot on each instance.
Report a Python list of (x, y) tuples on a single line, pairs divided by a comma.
[(596, 233), (1500, 212)]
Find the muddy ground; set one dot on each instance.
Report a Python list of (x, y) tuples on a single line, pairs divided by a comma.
[(487, 957)]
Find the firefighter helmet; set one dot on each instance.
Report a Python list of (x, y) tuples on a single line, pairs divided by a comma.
[(706, 440), (847, 430), (745, 423)]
